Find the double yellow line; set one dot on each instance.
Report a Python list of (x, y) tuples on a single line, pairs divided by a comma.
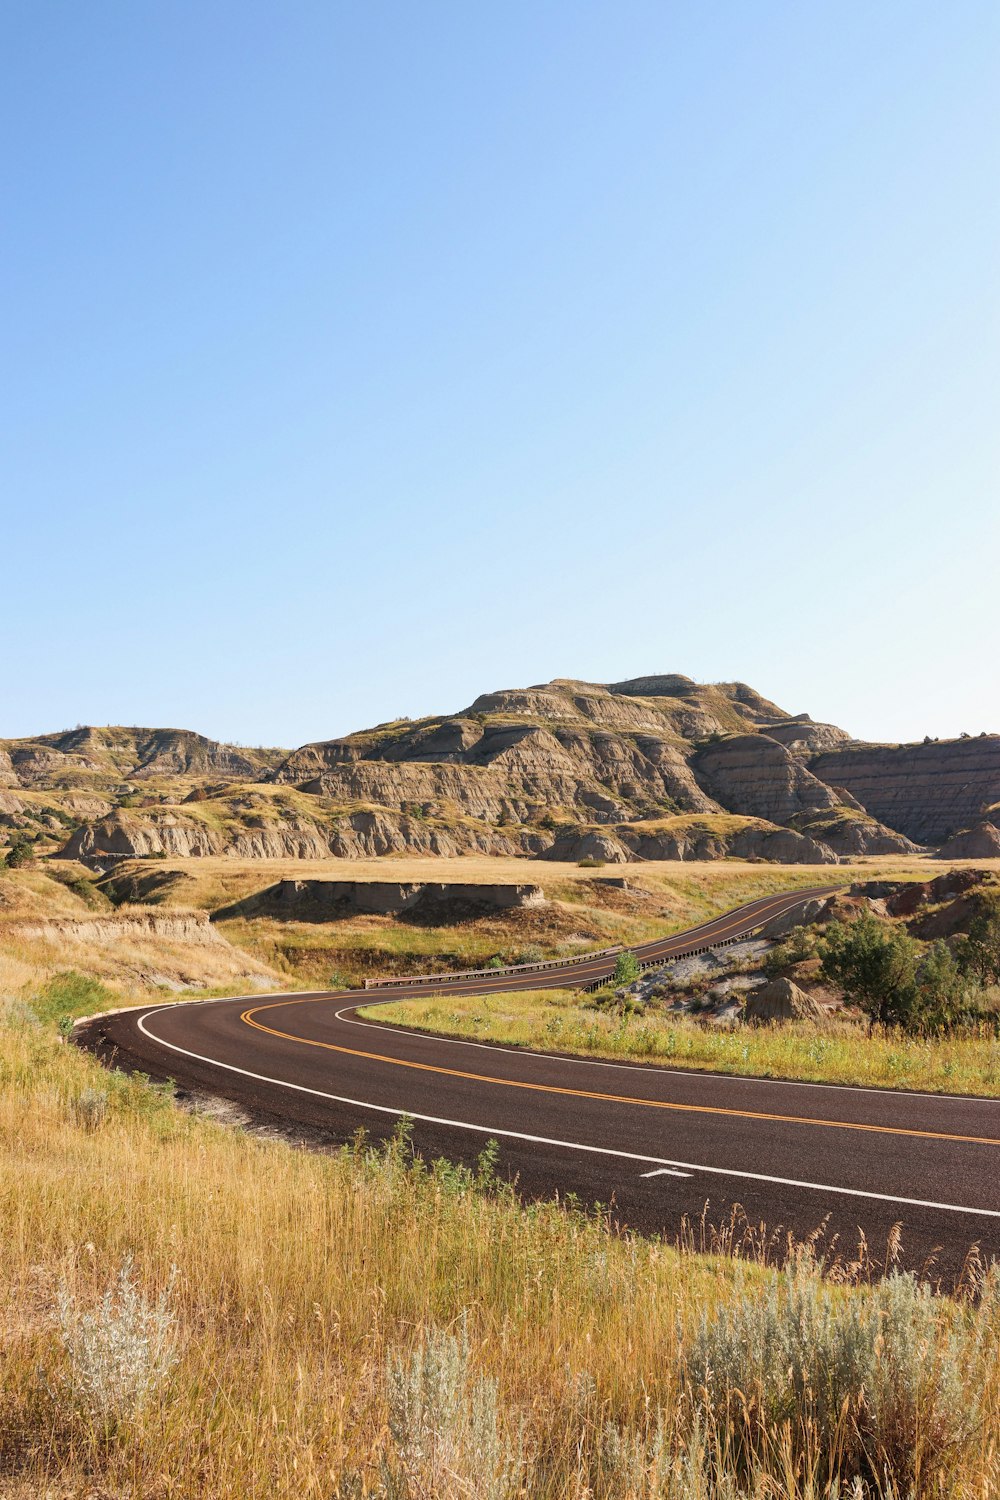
[(249, 1016)]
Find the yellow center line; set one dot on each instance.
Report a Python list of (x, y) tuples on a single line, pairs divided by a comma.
[(547, 1088)]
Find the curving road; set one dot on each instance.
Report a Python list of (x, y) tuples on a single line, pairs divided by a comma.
[(657, 1143)]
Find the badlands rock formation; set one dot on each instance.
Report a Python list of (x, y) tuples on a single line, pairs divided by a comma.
[(417, 901), (926, 791), (655, 767)]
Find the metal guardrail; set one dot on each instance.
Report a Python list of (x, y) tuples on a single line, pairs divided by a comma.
[(560, 963), (452, 974), (668, 958)]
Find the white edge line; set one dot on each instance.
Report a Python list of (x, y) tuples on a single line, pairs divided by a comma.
[(541, 1140), (276, 996), (631, 1067)]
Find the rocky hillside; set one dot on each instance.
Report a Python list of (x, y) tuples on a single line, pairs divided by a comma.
[(652, 768)]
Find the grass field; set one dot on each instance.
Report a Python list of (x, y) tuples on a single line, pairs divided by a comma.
[(583, 912), (821, 1052), (192, 1312), (218, 880)]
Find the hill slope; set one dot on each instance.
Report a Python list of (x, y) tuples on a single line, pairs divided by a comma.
[(653, 767)]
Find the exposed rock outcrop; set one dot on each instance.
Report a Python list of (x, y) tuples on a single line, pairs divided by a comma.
[(415, 901), (781, 1000), (588, 843), (926, 791), (979, 842), (756, 776), (803, 737), (852, 834), (126, 836), (79, 756), (800, 916), (750, 839), (173, 949), (564, 768)]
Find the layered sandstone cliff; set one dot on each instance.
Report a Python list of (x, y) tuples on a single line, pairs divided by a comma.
[(927, 791), (650, 767)]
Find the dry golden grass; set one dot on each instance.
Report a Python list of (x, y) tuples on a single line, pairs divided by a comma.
[(354, 948), (298, 1274), (218, 880)]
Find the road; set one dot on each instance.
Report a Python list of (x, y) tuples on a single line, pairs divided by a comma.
[(658, 1144)]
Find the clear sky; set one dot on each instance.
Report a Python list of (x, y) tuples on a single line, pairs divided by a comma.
[(362, 357)]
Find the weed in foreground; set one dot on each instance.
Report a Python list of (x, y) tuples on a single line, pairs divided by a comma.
[(120, 1353), (878, 1386), (446, 1427)]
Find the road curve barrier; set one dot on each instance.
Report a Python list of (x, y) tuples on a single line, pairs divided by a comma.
[(651, 961)]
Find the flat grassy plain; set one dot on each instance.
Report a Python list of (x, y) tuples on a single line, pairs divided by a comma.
[(288, 1324), (817, 1052)]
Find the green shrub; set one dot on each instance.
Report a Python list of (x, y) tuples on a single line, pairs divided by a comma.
[(876, 966), (626, 969), (798, 945), (980, 954), (19, 854), (895, 981), (879, 1385), (591, 862)]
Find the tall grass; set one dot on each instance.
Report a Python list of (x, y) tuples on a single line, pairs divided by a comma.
[(358, 1324), (821, 1051)]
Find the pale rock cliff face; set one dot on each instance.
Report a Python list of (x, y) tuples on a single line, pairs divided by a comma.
[(927, 792), (358, 835), (804, 738), (123, 835), (183, 927), (690, 840), (752, 841), (851, 836)]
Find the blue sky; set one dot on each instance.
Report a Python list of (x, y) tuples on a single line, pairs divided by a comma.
[(359, 358)]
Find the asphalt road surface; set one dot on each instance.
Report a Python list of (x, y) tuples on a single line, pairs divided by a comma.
[(659, 1145)]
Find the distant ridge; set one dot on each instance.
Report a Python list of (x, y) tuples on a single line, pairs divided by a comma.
[(653, 767)]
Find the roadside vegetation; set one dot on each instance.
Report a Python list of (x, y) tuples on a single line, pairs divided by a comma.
[(919, 1015), (833, 1051), (192, 1311)]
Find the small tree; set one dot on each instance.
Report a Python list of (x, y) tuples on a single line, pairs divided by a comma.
[(876, 967), (626, 968), (946, 992), (20, 853), (981, 952)]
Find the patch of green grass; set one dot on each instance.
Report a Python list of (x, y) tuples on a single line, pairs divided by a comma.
[(72, 994), (819, 1052)]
